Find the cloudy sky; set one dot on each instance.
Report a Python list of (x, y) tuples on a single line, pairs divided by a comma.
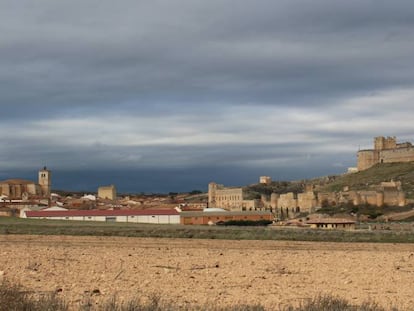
[(161, 95)]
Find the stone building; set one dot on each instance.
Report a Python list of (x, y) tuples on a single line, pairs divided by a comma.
[(267, 180), (228, 198), (386, 150), (107, 192), (19, 189)]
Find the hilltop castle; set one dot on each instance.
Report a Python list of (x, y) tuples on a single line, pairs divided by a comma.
[(386, 150)]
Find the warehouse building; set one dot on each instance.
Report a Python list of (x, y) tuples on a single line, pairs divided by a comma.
[(132, 216)]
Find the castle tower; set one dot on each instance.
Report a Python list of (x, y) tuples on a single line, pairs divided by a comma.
[(379, 143), (212, 187), (45, 181), (382, 143)]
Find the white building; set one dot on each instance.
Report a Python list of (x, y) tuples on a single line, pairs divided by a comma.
[(134, 216)]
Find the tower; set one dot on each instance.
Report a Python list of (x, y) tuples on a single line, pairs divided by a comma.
[(212, 187), (45, 181)]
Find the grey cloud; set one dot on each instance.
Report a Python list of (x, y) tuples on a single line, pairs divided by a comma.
[(207, 64), (195, 51)]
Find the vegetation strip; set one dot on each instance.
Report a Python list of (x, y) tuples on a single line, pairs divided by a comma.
[(10, 225), (13, 297)]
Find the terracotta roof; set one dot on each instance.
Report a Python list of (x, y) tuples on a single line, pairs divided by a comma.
[(17, 181), (80, 213), (330, 221)]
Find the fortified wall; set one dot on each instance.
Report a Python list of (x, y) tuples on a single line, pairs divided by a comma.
[(386, 150), (289, 204)]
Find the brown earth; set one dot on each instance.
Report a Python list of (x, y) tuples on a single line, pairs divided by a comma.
[(272, 273)]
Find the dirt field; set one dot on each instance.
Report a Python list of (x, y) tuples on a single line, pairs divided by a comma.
[(204, 271)]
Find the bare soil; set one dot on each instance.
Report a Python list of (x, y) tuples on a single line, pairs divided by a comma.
[(272, 273)]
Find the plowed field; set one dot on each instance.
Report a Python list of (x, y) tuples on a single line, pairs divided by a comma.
[(186, 271)]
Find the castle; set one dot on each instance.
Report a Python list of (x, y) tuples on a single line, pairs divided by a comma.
[(386, 150)]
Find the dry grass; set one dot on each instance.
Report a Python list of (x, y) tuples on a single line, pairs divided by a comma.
[(14, 298)]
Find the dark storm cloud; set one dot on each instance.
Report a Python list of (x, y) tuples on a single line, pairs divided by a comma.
[(196, 83)]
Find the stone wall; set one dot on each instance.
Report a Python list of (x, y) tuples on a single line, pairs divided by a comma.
[(288, 201), (107, 192), (17, 191), (386, 150), (307, 202)]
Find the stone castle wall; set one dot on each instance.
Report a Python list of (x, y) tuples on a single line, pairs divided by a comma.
[(386, 150)]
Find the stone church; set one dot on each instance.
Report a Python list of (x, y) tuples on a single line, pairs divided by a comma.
[(21, 189)]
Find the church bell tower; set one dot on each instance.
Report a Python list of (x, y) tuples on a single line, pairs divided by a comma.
[(45, 181)]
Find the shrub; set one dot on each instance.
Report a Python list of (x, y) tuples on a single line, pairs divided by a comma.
[(13, 297), (331, 303)]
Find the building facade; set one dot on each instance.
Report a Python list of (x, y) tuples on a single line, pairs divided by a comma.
[(131, 216), (231, 199), (107, 192)]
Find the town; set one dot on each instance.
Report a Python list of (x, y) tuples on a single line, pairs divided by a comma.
[(306, 203)]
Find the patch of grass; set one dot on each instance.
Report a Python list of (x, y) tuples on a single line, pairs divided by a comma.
[(11, 225), (13, 298), (331, 303)]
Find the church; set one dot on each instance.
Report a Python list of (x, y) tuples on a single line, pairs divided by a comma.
[(21, 189)]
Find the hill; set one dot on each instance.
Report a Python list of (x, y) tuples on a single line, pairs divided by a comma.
[(364, 180)]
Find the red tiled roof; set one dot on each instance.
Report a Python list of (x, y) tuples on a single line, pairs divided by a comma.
[(80, 213)]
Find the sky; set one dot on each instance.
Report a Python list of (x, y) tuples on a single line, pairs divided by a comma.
[(167, 96)]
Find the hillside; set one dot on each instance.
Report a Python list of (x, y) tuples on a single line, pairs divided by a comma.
[(403, 172)]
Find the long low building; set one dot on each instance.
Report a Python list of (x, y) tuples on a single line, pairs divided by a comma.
[(213, 217), (169, 216), (332, 223)]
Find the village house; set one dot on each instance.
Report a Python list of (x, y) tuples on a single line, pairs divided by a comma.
[(332, 223)]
